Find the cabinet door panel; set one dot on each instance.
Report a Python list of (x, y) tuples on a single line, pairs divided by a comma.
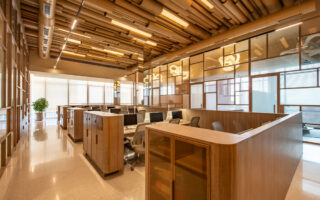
[(191, 174), (89, 134), (85, 132), (94, 138), (160, 171)]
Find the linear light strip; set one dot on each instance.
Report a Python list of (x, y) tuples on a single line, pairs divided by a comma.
[(73, 25), (130, 28)]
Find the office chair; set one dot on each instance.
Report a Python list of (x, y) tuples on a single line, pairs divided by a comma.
[(141, 115), (217, 126), (174, 121), (137, 144), (195, 122), (237, 126)]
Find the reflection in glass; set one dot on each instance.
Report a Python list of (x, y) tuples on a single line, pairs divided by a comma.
[(283, 42), (171, 85), (242, 46), (229, 49), (156, 97), (259, 47), (156, 73), (211, 59), (310, 51), (185, 72), (196, 73), (306, 78), (175, 68), (300, 96)]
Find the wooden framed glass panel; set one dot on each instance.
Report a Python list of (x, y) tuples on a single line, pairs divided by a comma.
[(160, 171), (175, 69), (191, 171), (213, 59), (196, 73), (258, 47)]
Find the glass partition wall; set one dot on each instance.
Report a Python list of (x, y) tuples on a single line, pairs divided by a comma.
[(278, 71)]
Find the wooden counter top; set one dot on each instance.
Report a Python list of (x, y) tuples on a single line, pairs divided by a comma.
[(212, 136), (103, 114)]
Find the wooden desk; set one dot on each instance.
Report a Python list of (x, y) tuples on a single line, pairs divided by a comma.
[(103, 140), (75, 123), (184, 162)]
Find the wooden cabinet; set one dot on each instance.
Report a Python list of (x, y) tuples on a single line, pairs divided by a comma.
[(177, 168), (103, 140), (75, 123)]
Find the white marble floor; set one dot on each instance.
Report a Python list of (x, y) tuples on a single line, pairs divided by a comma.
[(48, 165)]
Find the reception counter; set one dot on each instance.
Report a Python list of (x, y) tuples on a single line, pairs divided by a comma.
[(184, 162)]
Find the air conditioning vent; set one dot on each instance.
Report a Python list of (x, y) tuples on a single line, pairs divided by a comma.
[(45, 42), (44, 49), (44, 54), (46, 32), (47, 10)]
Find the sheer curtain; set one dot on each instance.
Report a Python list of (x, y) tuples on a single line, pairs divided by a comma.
[(56, 94), (126, 92), (96, 92), (108, 93), (77, 92)]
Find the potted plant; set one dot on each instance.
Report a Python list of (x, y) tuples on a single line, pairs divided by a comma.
[(39, 106)]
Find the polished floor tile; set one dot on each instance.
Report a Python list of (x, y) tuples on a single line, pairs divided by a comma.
[(48, 165)]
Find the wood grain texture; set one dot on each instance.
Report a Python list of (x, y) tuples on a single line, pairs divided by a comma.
[(103, 142), (258, 164)]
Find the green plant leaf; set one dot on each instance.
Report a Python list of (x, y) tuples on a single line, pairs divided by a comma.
[(40, 104)]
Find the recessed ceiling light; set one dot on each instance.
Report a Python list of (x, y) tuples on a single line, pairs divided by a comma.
[(130, 28), (170, 16), (145, 41)]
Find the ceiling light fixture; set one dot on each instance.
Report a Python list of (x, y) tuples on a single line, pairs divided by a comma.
[(207, 3), (108, 51), (73, 41), (140, 58), (74, 54), (130, 28), (292, 25), (172, 17), (73, 24), (66, 39), (145, 41), (78, 34)]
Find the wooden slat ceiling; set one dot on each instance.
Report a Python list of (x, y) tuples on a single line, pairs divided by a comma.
[(97, 28)]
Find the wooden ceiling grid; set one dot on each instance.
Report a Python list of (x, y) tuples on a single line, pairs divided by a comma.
[(161, 26)]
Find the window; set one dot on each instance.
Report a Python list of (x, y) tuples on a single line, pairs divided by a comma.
[(211, 101), (126, 93), (108, 93), (56, 94), (310, 59), (226, 91), (305, 78), (196, 73), (96, 92), (38, 88), (196, 96), (259, 47), (77, 92)]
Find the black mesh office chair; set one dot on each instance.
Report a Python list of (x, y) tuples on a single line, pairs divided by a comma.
[(195, 122), (174, 121)]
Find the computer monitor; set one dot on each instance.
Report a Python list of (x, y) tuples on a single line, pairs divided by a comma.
[(109, 107), (177, 114), (115, 110), (156, 117), (132, 110), (130, 119)]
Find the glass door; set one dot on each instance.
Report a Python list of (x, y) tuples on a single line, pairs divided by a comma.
[(264, 94)]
